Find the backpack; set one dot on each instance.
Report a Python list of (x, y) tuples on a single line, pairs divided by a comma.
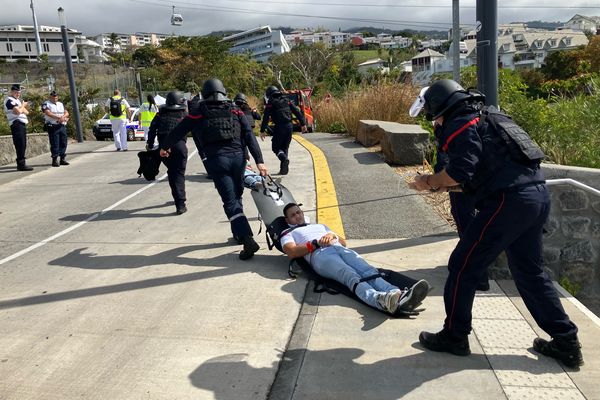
[(281, 114), (115, 107), (502, 131), (149, 164)]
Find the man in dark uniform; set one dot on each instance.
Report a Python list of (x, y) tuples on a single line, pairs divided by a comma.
[(279, 109), (16, 113), (169, 115), (241, 101), (223, 132), (513, 204)]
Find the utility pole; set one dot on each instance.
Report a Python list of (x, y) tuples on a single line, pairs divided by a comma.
[(38, 42), (487, 49), (74, 100), (456, 41)]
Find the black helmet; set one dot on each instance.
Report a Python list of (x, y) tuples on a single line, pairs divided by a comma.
[(272, 90), (240, 98), (174, 101), (213, 89), (442, 96)]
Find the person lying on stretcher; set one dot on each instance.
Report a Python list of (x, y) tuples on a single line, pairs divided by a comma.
[(326, 252)]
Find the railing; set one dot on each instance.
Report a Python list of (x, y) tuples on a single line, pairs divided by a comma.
[(572, 182)]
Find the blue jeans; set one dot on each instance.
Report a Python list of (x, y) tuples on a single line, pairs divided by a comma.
[(347, 267), (227, 172)]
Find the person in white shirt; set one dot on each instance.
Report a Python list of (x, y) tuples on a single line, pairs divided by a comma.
[(326, 252), (56, 118), (16, 113), (118, 111)]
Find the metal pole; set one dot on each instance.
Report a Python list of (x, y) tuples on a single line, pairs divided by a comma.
[(487, 49), (38, 42), (74, 101), (138, 83), (456, 41)]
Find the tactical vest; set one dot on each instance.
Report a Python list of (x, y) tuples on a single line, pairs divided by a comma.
[(503, 142), (219, 124), (168, 121), (249, 117), (281, 112)]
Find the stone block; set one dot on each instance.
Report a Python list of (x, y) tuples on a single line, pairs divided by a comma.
[(575, 227), (369, 132), (403, 144), (551, 227), (596, 206), (573, 200), (551, 255), (581, 251)]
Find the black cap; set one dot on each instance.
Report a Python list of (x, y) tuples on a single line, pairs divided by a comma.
[(16, 87), (53, 93)]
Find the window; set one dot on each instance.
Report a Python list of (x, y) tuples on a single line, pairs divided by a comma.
[(9, 47), (568, 41), (28, 47), (46, 47)]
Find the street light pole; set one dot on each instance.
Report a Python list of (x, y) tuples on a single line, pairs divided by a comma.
[(456, 41), (67, 49), (38, 42)]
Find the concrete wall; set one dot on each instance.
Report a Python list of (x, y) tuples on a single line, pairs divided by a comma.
[(37, 143)]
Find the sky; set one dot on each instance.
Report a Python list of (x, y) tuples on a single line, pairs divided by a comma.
[(204, 16)]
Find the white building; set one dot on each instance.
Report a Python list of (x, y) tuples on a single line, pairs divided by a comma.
[(259, 43), (17, 42), (128, 40), (376, 64), (583, 23)]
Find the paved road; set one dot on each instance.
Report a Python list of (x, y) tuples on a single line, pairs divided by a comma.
[(106, 293)]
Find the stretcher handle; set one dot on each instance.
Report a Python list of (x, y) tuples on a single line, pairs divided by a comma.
[(278, 189)]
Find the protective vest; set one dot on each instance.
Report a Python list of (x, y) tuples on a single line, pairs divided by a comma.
[(113, 101), (250, 117), (504, 145), (10, 116), (219, 124), (147, 114), (280, 110), (168, 121)]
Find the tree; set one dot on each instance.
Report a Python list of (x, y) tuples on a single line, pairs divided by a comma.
[(310, 62), (592, 53), (564, 64)]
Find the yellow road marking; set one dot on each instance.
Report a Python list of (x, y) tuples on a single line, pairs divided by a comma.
[(328, 211)]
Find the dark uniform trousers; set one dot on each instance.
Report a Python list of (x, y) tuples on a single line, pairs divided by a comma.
[(227, 172), (511, 220), (19, 136), (282, 137), (57, 135), (176, 164)]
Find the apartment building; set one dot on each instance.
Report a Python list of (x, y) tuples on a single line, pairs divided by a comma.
[(127, 40), (17, 42), (259, 43)]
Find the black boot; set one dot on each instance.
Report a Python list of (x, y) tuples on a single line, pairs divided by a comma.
[(565, 350), (63, 161), (21, 166), (284, 167), (444, 341), (55, 162), (250, 247), (181, 209)]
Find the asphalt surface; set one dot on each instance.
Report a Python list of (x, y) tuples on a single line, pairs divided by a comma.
[(105, 293)]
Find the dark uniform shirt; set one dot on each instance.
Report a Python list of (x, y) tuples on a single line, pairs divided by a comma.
[(468, 160), (271, 112), (193, 123)]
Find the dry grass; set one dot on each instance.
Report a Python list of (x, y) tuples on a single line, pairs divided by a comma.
[(382, 101)]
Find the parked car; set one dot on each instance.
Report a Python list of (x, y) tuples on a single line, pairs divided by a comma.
[(103, 130)]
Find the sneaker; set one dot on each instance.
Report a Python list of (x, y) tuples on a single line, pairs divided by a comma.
[(567, 351), (181, 209), (389, 301), (55, 162), (284, 167), (118, 149), (443, 341), (250, 247), (414, 296), (64, 162), (124, 149)]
